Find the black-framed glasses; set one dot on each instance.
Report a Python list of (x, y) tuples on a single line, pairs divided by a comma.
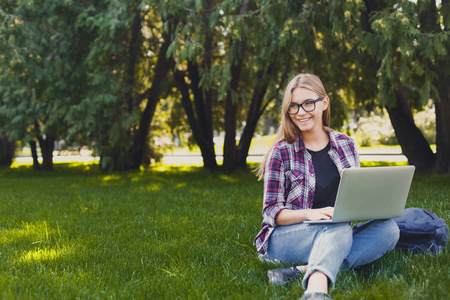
[(308, 106)]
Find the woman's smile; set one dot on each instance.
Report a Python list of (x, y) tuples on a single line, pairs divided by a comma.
[(310, 120), (304, 119)]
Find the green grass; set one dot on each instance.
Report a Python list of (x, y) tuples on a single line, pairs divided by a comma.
[(171, 233)]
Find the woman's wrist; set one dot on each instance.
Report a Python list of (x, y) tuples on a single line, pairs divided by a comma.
[(290, 216)]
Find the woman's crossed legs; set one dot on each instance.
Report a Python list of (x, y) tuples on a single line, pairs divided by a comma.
[(328, 248)]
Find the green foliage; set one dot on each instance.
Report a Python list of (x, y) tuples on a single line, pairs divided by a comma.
[(69, 74), (164, 233), (80, 71), (404, 51), (277, 38), (43, 78), (103, 116)]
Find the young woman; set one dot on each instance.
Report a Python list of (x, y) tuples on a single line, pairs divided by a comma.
[(301, 175)]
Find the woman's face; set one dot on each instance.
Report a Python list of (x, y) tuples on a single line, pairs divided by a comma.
[(307, 121)]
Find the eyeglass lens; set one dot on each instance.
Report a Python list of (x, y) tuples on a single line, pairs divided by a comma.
[(308, 106)]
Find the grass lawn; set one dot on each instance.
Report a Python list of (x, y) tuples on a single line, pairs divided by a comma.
[(172, 233)]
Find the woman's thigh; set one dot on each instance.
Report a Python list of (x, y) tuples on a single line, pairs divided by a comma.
[(294, 243), (371, 241)]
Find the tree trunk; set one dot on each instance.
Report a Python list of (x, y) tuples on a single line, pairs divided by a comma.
[(202, 102), (414, 145), (6, 152), (257, 109), (443, 132), (443, 104), (429, 23), (140, 143), (199, 113), (231, 107), (203, 95), (47, 145), (204, 140), (36, 164), (253, 116), (133, 54), (442, 108)]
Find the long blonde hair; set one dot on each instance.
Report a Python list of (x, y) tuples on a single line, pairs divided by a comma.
[(287, 130)]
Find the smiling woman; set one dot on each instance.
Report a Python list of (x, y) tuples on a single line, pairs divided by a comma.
[(309, 118), (301, 177)]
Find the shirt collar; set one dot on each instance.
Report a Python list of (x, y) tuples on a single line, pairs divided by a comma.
[(299, 145), (333, 141)]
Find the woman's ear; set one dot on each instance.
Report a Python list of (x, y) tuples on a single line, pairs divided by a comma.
[(326, 101)]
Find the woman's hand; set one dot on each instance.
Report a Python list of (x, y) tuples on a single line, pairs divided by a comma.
[(320, 214), (290, 216)]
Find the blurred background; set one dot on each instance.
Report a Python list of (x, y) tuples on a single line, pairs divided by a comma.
[(130, 83)]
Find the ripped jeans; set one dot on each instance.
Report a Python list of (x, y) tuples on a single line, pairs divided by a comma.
[(332, 247)]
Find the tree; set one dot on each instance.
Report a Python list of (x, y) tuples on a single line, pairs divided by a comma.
[(440, 67), (89, 72), (284, 38), (196, 55), (393, 63), (107, 112), (408, 70), (399, 52), (127, 66), (41, 71), (234, 57), (95, 71)]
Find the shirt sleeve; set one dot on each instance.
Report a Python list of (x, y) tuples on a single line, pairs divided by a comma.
[(274, 187), (355, 153)]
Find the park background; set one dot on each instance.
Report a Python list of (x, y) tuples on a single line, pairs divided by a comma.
[(98, 94)]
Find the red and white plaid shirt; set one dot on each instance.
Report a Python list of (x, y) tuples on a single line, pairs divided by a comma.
[(289, 179)]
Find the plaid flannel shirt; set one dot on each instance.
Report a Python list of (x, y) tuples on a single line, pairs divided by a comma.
[(289, 179)]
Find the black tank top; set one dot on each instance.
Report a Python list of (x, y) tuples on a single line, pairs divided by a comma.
[(327, 178)]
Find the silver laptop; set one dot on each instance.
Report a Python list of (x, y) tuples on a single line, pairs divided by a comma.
[(371, 193)]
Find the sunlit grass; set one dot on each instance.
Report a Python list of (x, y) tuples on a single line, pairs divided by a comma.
[(383, 163), (40, 255), (171, 232)]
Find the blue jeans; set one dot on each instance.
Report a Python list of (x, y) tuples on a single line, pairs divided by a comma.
[(329, 248)]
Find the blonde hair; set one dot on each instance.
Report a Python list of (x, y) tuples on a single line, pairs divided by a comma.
[(288, 131)]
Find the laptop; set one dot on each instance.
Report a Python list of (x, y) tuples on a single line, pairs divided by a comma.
[(371, 193)]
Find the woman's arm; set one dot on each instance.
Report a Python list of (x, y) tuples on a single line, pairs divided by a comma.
[(289, 216), (275, 212)]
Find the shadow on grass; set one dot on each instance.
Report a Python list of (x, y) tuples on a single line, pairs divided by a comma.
[(165, 231)]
